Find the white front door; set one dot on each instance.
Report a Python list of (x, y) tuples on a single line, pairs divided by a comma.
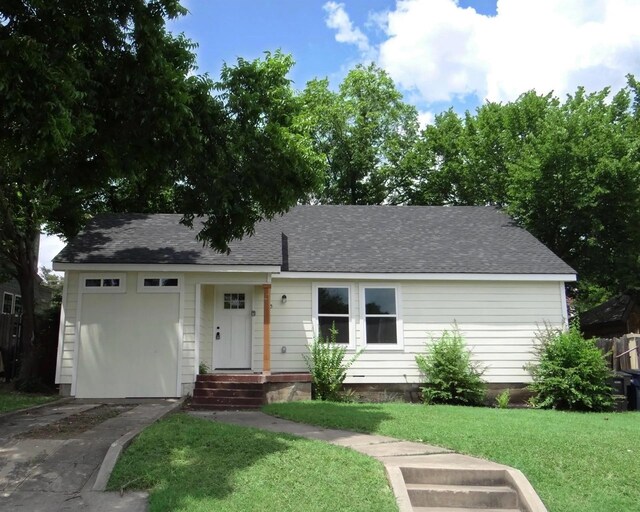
[(232, 328)]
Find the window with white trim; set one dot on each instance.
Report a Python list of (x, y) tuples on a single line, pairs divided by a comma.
[(381, 315), (105, 283), (17, 305), (158, 283), (333, 309), (7, 303)]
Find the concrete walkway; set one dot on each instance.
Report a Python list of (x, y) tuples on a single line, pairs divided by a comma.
[(57, 474), (393, 453)]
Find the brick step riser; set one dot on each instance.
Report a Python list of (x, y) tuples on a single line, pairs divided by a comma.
[(444, 476), (469, 498), (224, 392)]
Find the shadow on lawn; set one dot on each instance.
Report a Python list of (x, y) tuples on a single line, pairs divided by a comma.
[(352, 416), (193, 461)]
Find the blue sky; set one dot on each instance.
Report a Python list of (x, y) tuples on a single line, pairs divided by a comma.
[(440, 53)]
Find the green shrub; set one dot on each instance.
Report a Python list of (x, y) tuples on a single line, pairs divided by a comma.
[(503, 399), (327, 366), (451, 377), (203, 368), (571, 373)]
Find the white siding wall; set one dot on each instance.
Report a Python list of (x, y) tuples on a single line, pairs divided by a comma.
[(65, 364), (498, 319)]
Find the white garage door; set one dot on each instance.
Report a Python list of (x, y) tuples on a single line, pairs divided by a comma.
[(128, 345)]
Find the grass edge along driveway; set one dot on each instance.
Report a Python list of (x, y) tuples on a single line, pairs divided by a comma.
[(191, 464), (577, 462), (13, 401)]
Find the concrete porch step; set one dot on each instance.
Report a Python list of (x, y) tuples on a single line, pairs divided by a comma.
[(237, 401), (224, 407), (236, 377), (461, 496)]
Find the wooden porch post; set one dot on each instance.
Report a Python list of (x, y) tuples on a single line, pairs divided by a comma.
[(266, 346)]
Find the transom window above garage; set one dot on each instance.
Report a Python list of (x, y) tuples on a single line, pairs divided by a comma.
[(106, 283), (158, 283)]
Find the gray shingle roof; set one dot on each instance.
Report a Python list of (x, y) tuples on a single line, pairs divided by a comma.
[(386, 239)]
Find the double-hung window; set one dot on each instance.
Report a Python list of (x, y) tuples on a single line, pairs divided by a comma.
[(7, 303), (333, 309), (381, 318)]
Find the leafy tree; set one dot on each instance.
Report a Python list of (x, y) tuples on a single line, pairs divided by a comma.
[(363, 131), (55, 283), (568, 172), (100, 111)]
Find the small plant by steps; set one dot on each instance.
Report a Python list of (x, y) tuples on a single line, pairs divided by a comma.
[(327, 365)]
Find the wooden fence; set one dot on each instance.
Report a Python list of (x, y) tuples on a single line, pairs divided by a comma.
[(622, 353), (10, 345)]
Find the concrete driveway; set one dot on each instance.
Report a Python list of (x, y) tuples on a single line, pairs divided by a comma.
[(57, 474)]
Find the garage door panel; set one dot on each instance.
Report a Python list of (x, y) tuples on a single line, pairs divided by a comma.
[(128, 345)]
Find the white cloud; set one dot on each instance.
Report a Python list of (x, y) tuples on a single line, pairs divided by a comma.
[(441, 51), (50, 245), (425, 118), (338, 19)]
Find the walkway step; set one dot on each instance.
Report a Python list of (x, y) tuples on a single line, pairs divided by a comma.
[(453, 476), (478, 496), (458, 509)]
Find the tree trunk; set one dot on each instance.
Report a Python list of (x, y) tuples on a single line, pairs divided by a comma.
[(26, 271)]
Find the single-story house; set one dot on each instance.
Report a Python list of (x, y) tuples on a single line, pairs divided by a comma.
[(145, 304)]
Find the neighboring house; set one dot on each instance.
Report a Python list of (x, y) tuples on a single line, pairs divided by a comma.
[(144, 303), (614, 318), (11, 297)]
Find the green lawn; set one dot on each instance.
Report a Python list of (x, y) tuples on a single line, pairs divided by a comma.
[(191, 464), (577, 462), (11, 400)]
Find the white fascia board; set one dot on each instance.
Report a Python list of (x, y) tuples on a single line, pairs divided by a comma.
[(427, 276), (164, 267)]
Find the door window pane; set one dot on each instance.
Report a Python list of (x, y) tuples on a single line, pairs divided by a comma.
[(93, 283), (234, 301)]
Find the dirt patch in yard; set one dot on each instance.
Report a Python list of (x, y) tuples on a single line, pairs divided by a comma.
[(75, 424)]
